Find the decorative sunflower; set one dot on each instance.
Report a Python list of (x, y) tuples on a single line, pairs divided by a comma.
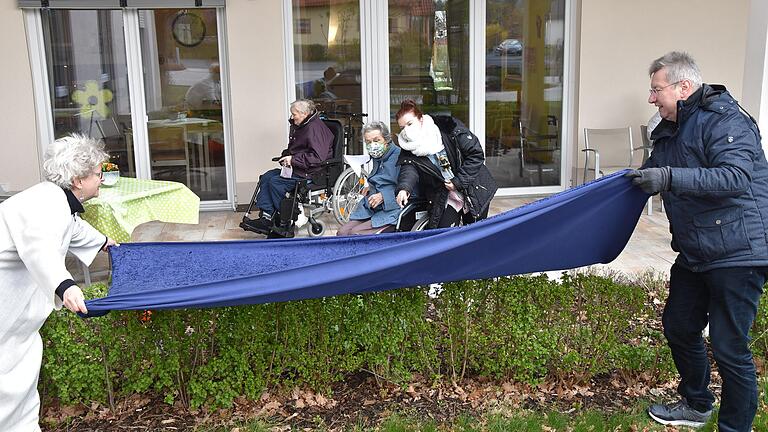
[(93, 99)]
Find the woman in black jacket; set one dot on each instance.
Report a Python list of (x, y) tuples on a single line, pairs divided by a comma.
[(442, 161)]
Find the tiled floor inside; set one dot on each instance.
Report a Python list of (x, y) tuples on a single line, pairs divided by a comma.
[(648, 249)]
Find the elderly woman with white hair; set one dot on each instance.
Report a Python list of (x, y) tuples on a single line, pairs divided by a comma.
[(310, 142), (38, 226)]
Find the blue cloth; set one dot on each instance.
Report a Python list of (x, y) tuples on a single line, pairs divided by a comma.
[(585, 225), (383, 179), (272, 189)]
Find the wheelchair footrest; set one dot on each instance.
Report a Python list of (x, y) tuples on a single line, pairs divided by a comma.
[(248, 224)]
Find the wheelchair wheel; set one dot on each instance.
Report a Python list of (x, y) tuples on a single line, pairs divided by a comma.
[(421, 224), (316, 229), (347, 193)]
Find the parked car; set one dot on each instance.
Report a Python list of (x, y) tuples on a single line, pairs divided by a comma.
[(509, 47)]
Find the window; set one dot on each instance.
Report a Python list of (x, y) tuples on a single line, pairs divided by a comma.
[(394, 25), (327, 56), (303, 26), (88, 79), (524, 91), (429, 60), (182, 87)]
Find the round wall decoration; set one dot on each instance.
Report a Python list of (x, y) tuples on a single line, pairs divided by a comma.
[(188, 29)]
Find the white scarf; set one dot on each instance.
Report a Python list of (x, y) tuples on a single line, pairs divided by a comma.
[(421, 139)]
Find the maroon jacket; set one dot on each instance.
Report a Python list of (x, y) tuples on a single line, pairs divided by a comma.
[(309, 144)]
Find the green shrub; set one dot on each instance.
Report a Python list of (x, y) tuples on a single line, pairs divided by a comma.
[(760, 330), (521, 328)]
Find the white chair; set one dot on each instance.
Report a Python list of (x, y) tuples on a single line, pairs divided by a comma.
[(647, 147), (612, 150)]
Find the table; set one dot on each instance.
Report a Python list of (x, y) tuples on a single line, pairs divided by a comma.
[(130, 202)]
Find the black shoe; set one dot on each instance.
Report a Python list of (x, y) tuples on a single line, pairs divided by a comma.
[(679, 414)]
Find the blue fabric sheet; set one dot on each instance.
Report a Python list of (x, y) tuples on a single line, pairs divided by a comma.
[(581, 226)]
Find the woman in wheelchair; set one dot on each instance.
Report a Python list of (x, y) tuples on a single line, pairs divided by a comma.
[(443, 162), (310, 142), (378, 210)]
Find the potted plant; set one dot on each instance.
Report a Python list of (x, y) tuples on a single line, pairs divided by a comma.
[(110, 172)]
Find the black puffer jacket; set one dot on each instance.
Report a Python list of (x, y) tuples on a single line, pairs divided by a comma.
[(421, 178)]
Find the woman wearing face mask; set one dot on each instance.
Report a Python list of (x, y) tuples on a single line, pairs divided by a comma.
[(443, 162), (378, 211)]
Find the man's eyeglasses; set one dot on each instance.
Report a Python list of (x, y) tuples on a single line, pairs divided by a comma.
[(656, 91)]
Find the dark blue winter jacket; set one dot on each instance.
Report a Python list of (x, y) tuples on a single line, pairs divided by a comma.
[(718, 202)]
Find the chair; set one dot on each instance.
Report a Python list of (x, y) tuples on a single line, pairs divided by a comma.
[(538, 152), (171, 152), (613, 150), (647, 147), (116, 142)]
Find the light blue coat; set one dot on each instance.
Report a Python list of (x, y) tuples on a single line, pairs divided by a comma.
[(383, 179)]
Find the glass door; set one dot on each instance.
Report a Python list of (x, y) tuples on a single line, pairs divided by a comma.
[(429, 56), (326, 47), (524, 63), (182, 89), (88, 79)]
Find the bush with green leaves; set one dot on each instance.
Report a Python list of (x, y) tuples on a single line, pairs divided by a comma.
[(521, 328)]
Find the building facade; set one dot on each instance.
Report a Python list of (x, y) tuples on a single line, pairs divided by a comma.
[(197, 91)]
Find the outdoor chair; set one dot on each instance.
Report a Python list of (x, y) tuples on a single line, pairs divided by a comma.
[(611, 150)]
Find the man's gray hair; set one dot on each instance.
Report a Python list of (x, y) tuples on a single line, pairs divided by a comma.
[(680, 66), (304, 106), (71, 157), (377, 126)]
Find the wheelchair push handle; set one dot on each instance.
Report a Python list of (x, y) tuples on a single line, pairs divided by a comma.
[(276, 159), (345, 114)]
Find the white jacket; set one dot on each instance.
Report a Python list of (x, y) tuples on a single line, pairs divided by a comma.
[(37, 228)]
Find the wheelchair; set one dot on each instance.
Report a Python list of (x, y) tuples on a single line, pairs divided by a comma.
[(331, 189)]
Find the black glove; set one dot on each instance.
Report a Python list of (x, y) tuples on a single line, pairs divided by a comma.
[(651, 180)]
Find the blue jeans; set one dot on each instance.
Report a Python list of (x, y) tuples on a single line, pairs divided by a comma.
[(727, 298), (272, 189)]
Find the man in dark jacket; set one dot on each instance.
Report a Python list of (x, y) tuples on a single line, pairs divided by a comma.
[(310, 142), (709, 166)]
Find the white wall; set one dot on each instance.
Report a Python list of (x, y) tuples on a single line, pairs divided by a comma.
[(19, 162), (256, 73), (620, 38), (755, 98)]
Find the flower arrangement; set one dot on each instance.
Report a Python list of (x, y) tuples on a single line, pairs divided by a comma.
[(109, 167), (110, 173)]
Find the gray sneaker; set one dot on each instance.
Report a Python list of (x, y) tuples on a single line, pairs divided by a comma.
[(679, 414)]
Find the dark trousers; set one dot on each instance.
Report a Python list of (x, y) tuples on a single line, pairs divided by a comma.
[(272, 189), (727, 298)]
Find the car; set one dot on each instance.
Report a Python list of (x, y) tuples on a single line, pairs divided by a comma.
[(510, 47)]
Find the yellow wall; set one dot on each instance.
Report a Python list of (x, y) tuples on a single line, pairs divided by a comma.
[(620, 38), (19, 162)]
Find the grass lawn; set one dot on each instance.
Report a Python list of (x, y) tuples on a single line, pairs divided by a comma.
[(632, 420)]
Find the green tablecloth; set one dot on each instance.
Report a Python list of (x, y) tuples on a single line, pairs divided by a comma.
[(130, 202)]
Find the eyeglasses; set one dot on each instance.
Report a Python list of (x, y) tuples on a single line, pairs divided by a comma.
[(99, 174), (656, 91)]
